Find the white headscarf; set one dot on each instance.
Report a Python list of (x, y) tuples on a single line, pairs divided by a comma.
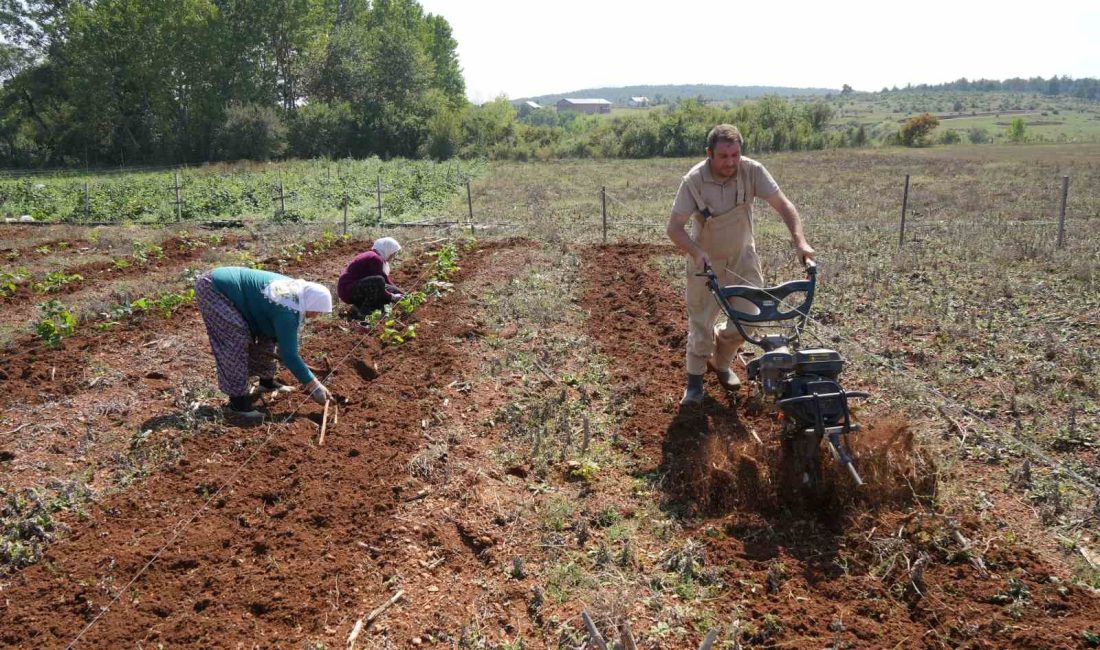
[(299, 295), (387, 247)]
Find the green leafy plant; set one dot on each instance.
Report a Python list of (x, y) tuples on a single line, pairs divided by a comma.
[(165, 304), (446, 262), (395, 333), (10, 281), (144, 252), (245, 258), (584, 470), (409, 303), (328, 240), (56, 280), (292, 253), (168, 303), (56, 322)]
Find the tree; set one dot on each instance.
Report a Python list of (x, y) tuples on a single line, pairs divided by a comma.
[(916, 130), (1017, 130), (858, 137), (818, 114), (252, 132), (846, 90)]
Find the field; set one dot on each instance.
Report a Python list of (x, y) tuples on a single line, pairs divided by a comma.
[(522, 459), (975, 117), (286, 192)]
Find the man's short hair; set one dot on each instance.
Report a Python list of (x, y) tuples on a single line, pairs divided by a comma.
[(724, 133)]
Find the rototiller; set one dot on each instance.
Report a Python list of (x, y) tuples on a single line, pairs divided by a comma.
[(803, 383)]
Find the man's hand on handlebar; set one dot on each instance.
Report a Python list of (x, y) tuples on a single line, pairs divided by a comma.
[(702, 260), (803, 251)]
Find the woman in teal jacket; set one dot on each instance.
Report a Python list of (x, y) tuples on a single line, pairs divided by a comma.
[(248, 313)]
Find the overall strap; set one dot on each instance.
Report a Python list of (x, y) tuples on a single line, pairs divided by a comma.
[(697, 194)]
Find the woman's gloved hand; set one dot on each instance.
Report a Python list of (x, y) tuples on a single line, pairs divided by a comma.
[(318, 392)]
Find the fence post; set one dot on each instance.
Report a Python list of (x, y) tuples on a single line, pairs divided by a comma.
[(179, 204), (378, 194), (1062, 214), (87, 201), (345, 212), (470, 205), (282, 198), (603, 201), (904, 203)]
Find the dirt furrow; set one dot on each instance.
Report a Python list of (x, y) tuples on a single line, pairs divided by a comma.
[(291, 547), (871, 568)]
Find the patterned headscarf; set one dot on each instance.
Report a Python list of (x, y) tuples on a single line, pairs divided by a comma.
[(387, 247), (299, 295)]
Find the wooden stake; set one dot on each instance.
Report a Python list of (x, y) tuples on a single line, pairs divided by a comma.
[(603, 209), (355, 634), (904, 204), (593, 633), (958, 428), (626, 636), (335, 414), (709, 641), (1062, 214), (324, 425), (384, 606), (756, 436)]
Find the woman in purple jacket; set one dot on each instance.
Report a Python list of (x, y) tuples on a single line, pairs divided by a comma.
[(365, 284)]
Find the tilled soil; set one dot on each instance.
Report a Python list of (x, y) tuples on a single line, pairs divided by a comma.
[(262, 537), (98, 279), (866, 567)]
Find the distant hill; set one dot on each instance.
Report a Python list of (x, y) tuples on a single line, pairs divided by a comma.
[(621, 96)]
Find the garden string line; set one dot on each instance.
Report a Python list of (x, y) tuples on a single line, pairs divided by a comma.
[(1055, 465), (181, 527)]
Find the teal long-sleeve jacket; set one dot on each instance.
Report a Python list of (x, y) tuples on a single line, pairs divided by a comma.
[(245, 289)]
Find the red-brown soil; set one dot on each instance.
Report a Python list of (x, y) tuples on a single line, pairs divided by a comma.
[(261, 537), (175, 250), (838, 582)]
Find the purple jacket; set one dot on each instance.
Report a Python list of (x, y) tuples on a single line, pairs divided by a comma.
[(364, 265)]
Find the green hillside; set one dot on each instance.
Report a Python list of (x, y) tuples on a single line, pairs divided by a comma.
[(668, 93)]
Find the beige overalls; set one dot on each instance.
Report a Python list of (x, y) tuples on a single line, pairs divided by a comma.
[(728, 240)]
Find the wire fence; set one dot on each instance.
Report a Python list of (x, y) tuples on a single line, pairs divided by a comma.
[(351, 202)]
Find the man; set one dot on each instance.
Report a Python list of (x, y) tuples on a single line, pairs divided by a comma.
[(716, 196)]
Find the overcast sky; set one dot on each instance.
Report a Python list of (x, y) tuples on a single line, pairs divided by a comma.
[(522, 49)]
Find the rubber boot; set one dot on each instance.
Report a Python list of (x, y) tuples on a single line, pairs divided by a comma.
[(729, 380), (240, 409), (694, 392), (269, 385)]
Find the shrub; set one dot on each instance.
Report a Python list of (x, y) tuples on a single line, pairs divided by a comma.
[(978, 135), (253, 132), (1017, 131), (320, 129), (950, 136), (916, 130)]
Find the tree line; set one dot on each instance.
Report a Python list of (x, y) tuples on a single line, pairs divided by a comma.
[(174, 81), (146, 82), (1085, 88)]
